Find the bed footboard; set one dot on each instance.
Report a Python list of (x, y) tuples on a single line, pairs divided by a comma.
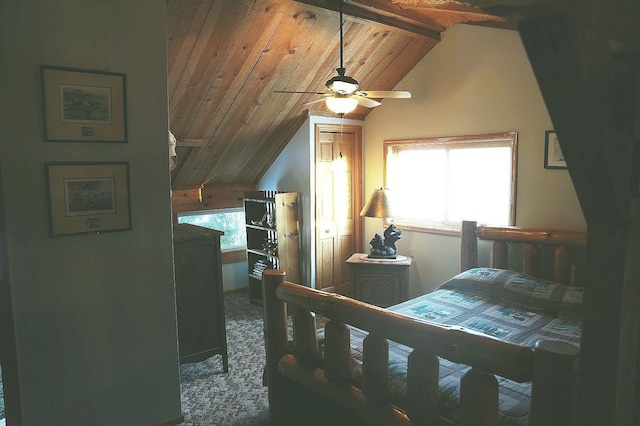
[(552, 366)]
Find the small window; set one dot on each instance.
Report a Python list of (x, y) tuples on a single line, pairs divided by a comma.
[(230, 221), (439, 182)]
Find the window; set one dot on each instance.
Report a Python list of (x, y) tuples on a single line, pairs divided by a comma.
[(230, 221), (438, 182)]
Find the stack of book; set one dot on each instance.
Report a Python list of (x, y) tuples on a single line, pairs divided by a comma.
[(259, 266)]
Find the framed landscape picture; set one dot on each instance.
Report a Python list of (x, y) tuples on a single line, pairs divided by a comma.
[(553, 157), (88, 198), (83, 105)]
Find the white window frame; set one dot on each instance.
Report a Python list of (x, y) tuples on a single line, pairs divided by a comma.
[(392, 147)]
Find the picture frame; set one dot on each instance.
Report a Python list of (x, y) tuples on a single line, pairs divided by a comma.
[(553, 157), (83, 105), (88, 197)]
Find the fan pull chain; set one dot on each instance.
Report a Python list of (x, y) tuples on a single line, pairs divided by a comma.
[(341, 52), (341, 120)]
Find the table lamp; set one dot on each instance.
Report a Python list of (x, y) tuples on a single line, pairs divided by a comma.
[(380, 205)]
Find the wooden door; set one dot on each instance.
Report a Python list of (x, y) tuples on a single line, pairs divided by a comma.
[(338, 204)]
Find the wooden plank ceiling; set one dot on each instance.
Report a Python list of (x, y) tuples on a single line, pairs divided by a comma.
[(228, 57)]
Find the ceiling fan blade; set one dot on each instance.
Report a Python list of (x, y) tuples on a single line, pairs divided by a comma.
[(397, 94), (299, 93), (315, 100), (366, 102)]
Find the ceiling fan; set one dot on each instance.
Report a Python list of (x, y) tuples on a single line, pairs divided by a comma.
[(344, 96)]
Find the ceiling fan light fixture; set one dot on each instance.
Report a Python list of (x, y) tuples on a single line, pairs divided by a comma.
[(341, 104), (342, 84), (344, 96)]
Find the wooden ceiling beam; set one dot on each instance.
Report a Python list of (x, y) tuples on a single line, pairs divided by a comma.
[(379, 16), (435, 14), (198, 143)]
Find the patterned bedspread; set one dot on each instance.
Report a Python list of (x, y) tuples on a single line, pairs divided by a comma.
[(500, 303)]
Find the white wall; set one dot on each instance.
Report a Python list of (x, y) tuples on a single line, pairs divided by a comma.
[(476, 80), (94, 315), (234, 276)]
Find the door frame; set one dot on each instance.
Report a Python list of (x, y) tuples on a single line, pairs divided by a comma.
[(358, 185), (8, 351)]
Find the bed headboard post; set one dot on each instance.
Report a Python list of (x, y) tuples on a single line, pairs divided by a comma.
[(532, 260), (500, 255), (562, 267), (468, 246)]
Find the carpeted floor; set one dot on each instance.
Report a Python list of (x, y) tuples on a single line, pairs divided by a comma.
[(211, 397)]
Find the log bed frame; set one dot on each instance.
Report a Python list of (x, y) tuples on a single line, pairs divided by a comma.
[(301, 392)]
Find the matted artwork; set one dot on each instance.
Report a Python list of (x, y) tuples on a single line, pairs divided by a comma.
[(83, 105), (87, 198), (553, 157)]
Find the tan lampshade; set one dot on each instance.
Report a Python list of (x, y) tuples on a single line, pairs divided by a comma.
[(379, 205)]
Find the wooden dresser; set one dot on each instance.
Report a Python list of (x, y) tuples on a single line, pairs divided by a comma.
[(199, 293)]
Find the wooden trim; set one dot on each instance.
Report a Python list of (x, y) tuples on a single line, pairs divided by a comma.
[(190, 142), (186, 199), (346, 396), (275, 334), (555, 383), (234, 256), (495, 356), (8, 351), (468, 246), (209, 197), (378, 16), (237, 290), (174, 421), (225, 196), (505, 139), (563, 267), (543, 237)]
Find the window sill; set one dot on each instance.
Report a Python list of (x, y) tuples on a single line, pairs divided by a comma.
[(234, 256), (431, 229)]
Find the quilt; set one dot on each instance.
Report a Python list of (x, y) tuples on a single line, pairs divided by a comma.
[(500, 303)]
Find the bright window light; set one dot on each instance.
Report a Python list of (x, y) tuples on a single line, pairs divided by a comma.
[(439, 182), (230, 221)]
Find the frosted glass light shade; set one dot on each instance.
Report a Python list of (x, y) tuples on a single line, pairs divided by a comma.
[(341, 104), (343, 87)]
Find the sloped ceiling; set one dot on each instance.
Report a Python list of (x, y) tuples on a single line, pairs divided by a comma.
[(228, 57)]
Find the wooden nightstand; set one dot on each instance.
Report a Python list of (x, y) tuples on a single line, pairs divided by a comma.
[(381, 282)]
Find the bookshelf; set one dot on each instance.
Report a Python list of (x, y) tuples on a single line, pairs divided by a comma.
[(273, 240)]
